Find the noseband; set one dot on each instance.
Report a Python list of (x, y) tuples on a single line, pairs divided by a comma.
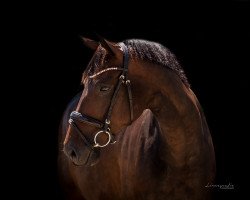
[(105, 126)]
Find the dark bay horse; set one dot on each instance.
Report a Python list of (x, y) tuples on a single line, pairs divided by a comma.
[(136, 131)]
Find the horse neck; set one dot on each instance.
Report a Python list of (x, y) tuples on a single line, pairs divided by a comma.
[(175, 108), (171, 143)]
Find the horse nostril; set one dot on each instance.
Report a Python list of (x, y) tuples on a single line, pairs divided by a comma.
[(72, 153)]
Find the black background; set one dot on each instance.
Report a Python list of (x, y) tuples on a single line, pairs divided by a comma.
[(211, 41)]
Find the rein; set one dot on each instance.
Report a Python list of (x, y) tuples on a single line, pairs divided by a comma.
[(105, 126)]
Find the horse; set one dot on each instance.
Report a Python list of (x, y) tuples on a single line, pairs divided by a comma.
[(136, 130)]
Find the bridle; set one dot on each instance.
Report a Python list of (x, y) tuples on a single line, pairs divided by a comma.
[(105, 126)]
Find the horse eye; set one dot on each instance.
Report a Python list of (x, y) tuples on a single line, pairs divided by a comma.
[(104, 89)]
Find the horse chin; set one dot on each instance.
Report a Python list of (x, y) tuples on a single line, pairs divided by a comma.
[(91, 159)]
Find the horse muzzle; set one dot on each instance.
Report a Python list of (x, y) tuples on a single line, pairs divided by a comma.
[(82, 156)]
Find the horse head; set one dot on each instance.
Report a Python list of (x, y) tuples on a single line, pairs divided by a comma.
[(106, 105)]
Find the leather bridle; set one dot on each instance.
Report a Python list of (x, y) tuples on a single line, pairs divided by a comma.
[(105, 126)]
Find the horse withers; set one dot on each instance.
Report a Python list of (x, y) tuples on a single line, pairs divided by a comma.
[(136, 131)]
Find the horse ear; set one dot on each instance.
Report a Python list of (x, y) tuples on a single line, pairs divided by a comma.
[(90, 43), (111, 47)]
